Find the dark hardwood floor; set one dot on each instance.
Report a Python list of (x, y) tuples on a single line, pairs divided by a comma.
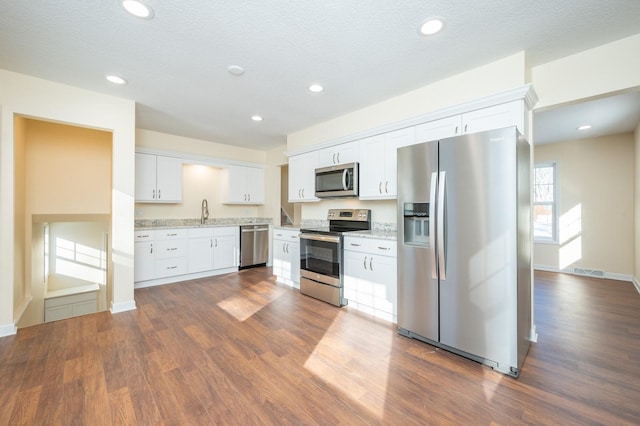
[(241, 349)]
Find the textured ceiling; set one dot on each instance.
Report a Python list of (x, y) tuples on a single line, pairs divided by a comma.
[(361, 51)]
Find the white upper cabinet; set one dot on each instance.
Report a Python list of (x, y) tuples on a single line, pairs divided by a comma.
[(378, 169), (243, 185), (302, 177), (339, 154), (495, 117), (439, 129), (158, 179)]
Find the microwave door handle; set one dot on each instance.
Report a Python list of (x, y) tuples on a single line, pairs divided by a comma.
[(345, 179)]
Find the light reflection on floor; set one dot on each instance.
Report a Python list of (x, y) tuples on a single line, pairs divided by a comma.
[(331, 361), (250, 301)]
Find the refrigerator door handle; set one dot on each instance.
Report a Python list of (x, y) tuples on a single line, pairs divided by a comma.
[(440, 238), (432, 224)]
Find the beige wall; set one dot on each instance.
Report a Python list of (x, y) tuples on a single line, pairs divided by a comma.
[(492, 78), (68, 169), (21, 287), (204, 182), (486, 80), (31, 97), (636, 269), (595, 205), (609, 68)]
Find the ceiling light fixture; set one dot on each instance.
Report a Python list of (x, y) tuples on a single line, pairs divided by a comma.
[(316, 88), (235, 70), (431, 26), (256, 118), (116, 79), (584, 127), (138, 9)]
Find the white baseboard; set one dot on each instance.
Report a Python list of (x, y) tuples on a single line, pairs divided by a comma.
[(8, 330), (179, 278), (607, 275), (122, 306)]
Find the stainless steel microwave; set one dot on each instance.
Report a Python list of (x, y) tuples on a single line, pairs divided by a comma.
[(337, 181)]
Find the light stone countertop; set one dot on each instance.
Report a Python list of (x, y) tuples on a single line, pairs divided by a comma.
[(195, 223), (377, 234)]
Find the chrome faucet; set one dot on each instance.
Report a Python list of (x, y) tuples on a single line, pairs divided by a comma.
[(205, 212)]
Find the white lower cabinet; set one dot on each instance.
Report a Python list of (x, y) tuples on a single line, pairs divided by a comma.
[(370, 268), (225, 247), (286, 256), (172, 255)]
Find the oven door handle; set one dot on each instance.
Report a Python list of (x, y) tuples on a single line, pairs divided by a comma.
[(315, 237)]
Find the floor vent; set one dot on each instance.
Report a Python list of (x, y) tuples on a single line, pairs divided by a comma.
[(589, 272)]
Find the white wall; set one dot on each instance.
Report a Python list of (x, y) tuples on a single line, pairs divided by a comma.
[(41, 99), (595, 205)]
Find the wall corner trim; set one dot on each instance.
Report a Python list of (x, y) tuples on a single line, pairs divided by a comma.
[(123, 306), (636, 283), (8, 330)]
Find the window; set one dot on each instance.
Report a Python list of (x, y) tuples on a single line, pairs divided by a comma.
[(545, 198)]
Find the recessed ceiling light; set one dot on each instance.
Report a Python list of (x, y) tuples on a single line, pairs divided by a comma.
[(138, 9), (585, 127), (235, 70), (116, 79), (316, 88), (431, 26), (256, 118)]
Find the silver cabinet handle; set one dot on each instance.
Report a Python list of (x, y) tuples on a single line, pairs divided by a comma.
[(380, 187), (153, 194), (287, 247), (456, 132), (466, 128), (365, 262), (384, 248), (355, 245), (386, 186), (142, 236), (151, 246), (338, 158), (210, 243), (172, 267), (216, 245), (333, 158), (371, 264), (302, 192), (159, 194)]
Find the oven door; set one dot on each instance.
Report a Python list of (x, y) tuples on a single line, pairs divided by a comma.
[(321, 255), (320, 264)]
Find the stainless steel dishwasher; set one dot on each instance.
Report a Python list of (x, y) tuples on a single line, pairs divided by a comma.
[(254, 245)]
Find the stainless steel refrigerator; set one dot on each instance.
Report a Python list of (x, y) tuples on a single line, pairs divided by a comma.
[(464, 258)]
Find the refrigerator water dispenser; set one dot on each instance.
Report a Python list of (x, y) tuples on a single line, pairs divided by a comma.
[(416, 224)]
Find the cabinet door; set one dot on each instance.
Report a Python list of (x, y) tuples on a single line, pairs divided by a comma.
[(372, 167), (200, 256), (224, 252), (255, 185), (339, 154), (144, 266), (439, 129), (280, 259), (496, 117), (302, 177), (382, 272), (169, 179), (145, 177), (293, 249), (353, 273), (234, 183)]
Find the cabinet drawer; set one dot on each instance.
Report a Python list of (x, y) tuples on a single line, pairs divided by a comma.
[(170, 248), (200, 232), (170, 234), (286, 234), (371, 246), (146, 235), (225, 231), (171, 267)]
